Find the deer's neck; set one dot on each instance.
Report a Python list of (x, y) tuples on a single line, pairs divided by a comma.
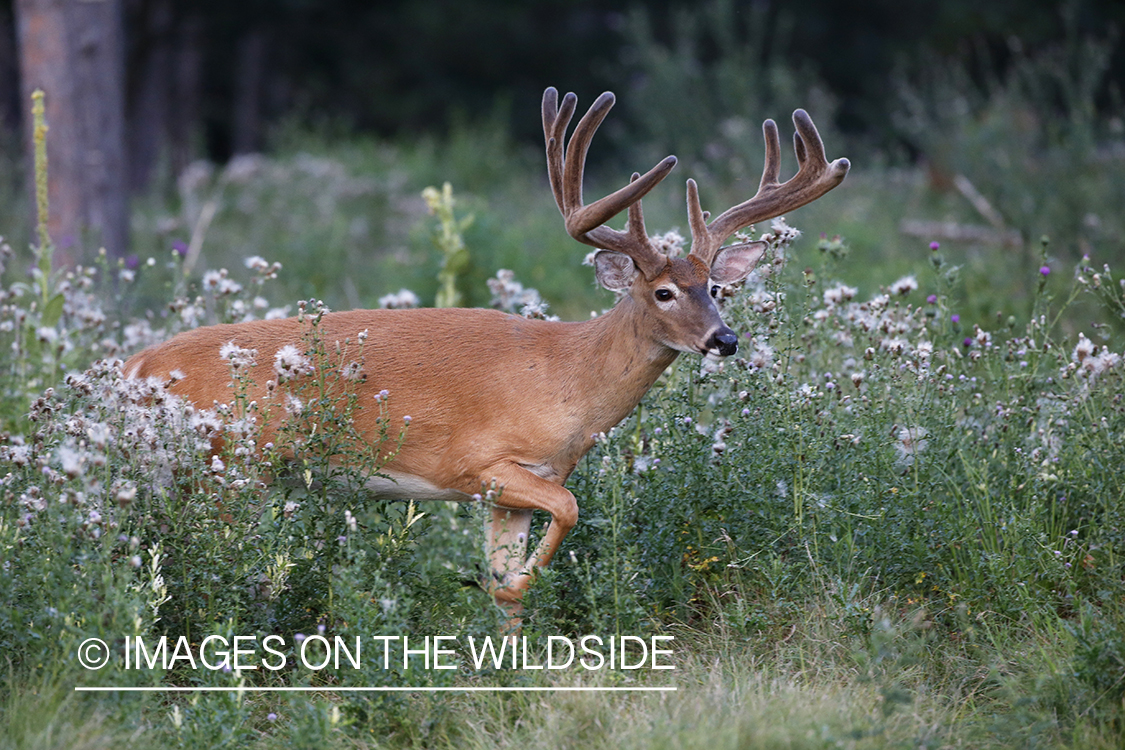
[(624, 358)]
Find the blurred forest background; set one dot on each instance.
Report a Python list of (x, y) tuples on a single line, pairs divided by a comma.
[(984, 125)]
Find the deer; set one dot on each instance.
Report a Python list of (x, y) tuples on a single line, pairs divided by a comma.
[(500, 401)]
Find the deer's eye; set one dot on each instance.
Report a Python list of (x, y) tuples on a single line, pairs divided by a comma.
[(715, 290), (664, 294)]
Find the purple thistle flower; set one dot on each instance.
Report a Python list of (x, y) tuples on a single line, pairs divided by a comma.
[(1045, 270), (935, 245), (180, 248), (954, 318), (967, 342), (932, 299)]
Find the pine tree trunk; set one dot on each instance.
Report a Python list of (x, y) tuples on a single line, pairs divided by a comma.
[(74, 51)]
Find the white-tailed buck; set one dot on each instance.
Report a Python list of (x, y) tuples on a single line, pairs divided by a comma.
[(500, 400)]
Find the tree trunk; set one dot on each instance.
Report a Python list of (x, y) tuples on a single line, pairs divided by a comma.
[(148, 98), (250, 76), (186, 116), (74, 51), (9, 99)]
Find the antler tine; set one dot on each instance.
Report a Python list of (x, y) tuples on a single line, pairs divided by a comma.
[(565, 169), (771, 171), (555, 120), (814, 178), (578, 147)]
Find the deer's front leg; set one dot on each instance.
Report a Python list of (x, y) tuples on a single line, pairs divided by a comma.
[(522, 493)]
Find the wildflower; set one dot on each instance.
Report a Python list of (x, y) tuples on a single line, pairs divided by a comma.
[(99, 435), (761, 358), (290, 362), (126, 494), (1045, 270), (1107, 359), (935, 246), (71, 461), (896, 345), (710, 365), (1092, 366), (290, 508), (238, 357), (271, 716), (1083, 349), (403, 299), (839, 294), (932, 299), (905, 285), (352, 371), (781, 234), (954, 318), (510, 295), (910, 442)]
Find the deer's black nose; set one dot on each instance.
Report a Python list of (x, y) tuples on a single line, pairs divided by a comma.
[(725, 340)]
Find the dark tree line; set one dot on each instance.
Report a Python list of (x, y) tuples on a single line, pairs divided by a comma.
[(207, 77)]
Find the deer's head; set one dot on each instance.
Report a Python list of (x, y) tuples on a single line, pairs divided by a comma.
[(677, 294)]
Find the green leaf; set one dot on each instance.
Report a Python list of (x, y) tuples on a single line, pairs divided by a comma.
[(52, 311)]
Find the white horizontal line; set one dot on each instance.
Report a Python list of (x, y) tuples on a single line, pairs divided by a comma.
[(420, 689)]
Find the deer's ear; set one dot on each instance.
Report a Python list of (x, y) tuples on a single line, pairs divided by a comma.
[(735, 263), (615, 271)]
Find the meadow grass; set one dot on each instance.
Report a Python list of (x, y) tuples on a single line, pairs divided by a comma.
[(877, 526)]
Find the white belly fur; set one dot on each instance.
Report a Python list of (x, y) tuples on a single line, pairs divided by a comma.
[(396, 486)]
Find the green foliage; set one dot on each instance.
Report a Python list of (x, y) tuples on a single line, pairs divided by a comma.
[(868, 464), (703, 93), (1034, 137), (449, 241)]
